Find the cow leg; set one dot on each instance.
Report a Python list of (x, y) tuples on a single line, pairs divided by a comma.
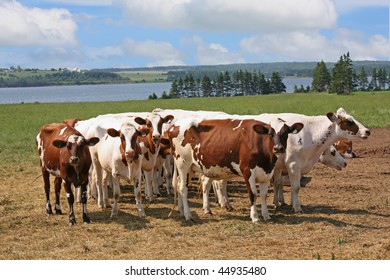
[(263, 196), (221, 192), (138, 197), (107, 181), (46, 181), (84, 195), (206, 185), (295, 181), (148, 185), (168, 175), (278, 189), (57, 188), (155, 174), (70, 197), (117, 193), (252, 191), (183, 191)]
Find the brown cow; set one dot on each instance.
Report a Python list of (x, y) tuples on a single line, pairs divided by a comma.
[(228, 148), (64, 153)]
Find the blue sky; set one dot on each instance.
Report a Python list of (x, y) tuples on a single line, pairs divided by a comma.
[(137, 33)]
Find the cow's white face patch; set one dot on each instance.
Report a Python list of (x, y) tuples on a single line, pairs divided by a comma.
[(75, 139)]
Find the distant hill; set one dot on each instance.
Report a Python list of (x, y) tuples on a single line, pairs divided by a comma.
[(299, 69)]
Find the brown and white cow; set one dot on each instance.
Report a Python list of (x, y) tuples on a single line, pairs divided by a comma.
[(224, 149), (64, 153)]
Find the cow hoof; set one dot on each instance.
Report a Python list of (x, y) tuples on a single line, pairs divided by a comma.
[(208, 213), (230, 209), (72, 222), (58, 212)]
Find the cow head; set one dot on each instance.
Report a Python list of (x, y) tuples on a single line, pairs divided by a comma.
[(347, 126), (155, 123), (128, 135), (75, 145), (280, 135), (331, 158)]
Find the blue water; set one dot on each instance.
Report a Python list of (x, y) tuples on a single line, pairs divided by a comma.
[(100, 93)]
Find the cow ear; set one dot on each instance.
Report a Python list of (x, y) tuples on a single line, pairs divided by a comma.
[(332, 117), (140, 121), (296, 127), (59, 143), (113, 132), (260, 129), (92, 141), (168, 119)]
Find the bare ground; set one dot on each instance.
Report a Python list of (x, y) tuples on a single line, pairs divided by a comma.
[(346, 216)]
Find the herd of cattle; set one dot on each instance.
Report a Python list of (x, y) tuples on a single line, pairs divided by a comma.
[(92, 154)]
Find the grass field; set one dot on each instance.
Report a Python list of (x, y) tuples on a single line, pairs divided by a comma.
[(29, 234)]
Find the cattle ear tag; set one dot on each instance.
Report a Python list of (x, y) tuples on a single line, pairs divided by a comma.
[(59, 143)]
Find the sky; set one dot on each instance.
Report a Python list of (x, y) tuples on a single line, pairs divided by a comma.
[(91, 34)]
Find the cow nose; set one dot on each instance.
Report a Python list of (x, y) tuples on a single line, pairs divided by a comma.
[(278, 149), (368, 132), (74, 160)]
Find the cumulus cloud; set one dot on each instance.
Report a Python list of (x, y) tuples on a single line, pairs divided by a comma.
[(313, 46), (158, 52), (221, 15), (23, 26), (213, 53)]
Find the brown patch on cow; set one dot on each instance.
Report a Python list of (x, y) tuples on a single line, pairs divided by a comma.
[(348, 125)]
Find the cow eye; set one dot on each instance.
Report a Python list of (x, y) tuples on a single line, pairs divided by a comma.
[(333, 153), (69, 146)]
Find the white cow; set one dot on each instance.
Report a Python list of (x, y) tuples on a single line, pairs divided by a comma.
[(151, 144), (305, 148), (118, 155)]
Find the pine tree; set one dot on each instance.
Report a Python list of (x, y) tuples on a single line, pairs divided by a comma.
[(342, 76), (363, 80), (277, 85), (321, 78)]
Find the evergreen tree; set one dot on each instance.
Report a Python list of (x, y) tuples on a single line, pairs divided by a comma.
[(227, 90), (342, 76), (206, 87), (174, 91), (277, 85), (362, 80), (374, 80), (321, 78)]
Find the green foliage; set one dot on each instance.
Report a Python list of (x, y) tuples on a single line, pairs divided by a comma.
[(321, 78), (342, 76)]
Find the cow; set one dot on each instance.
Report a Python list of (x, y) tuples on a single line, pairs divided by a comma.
[(224, 149), (305, 148), (154, 122), (344, 147), (118, 154), (64, 153)]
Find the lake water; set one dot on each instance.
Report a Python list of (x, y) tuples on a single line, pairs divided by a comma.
[(101, 93)]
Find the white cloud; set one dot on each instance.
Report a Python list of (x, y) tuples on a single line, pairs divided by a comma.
[(221, 15), (81, 2), (159, 52), (313, 46), (214, 54), (23, 26)]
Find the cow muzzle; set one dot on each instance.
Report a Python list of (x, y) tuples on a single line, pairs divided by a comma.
[(156, 139), (279, 149), (74, 160)]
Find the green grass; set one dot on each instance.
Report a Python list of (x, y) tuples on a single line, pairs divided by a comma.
[(145, 76), (20, 122)]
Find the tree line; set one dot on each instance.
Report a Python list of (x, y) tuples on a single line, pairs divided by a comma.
[(225, 84), (343, 79)]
